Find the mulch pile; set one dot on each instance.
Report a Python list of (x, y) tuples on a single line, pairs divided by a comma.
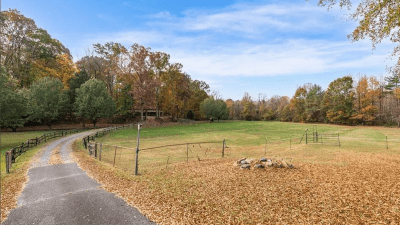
[(365, 189)]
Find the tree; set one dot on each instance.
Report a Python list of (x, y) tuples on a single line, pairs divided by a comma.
[(124, 100), (298, 104), (13, 106), (378, 19), (393, 82), (338, 100), (93, 101), (45, 97), (313, 105), (211, 107), (249, 111), (175, 91), (198, 93), (27, 49), (75, 82)]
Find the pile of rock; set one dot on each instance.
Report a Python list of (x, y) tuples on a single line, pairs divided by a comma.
[(262, 163)]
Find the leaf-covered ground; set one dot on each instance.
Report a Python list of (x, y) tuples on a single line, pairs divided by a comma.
[(361, 188)]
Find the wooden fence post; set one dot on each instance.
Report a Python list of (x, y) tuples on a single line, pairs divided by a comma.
[(290, 143), (187, 152), (265, 150), (8, 161), (101, 144), (223, 148), (338, 139), (387, 146), (306, 138), (115, 155), (95, 150)]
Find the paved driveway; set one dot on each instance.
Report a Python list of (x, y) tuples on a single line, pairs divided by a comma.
[(65, 194)]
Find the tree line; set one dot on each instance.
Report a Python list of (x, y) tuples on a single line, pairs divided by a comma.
[(41, 83), (367, 100)]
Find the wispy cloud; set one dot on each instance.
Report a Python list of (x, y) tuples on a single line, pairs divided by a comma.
[(254, 40)]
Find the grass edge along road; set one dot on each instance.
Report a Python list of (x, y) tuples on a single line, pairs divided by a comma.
[(360, 189), (12, 183)]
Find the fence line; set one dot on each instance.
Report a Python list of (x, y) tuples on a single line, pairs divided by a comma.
[(125, 156), (113, 154), (12, 154), (102, 133), (163, 146)]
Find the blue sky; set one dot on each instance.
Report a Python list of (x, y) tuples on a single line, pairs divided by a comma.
[(268, 47)]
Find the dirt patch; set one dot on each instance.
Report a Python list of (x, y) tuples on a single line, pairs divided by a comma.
[(55, 157), (366, 189)]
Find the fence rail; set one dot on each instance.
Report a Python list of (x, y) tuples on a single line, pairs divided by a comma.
[(15, 152), (102, 133)]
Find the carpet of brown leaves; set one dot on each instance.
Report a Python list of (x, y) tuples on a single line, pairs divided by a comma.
[(360, 189), (12, 186)]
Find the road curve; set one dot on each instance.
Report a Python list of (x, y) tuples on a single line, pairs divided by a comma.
[(65, 194)]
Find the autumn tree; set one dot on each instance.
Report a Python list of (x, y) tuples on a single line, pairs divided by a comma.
[(93, 101), (338, 100), (26, 49), (377, 20), (298, 103), (107, 65), (249, 111), (175, 91), (143, 70)]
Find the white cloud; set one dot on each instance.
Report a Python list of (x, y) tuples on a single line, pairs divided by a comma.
[(254, 40)]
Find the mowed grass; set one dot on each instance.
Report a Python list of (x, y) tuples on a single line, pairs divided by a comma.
[(245, 139), (356, 183)]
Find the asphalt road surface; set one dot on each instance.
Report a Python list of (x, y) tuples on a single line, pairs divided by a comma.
[(65, 194)]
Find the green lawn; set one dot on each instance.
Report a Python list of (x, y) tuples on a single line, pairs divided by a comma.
[(12, 139), (246, 139)]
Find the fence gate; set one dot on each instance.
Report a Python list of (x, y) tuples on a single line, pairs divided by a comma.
[(330, 139)]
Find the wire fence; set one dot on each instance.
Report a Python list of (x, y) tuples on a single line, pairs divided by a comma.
[(157, 157)]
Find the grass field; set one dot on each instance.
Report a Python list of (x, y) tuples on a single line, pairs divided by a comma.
[(245, 139), (356, 183), (12, 139)]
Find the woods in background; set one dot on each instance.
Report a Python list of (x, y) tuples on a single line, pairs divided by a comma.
[(41, 83), (367, 101)]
